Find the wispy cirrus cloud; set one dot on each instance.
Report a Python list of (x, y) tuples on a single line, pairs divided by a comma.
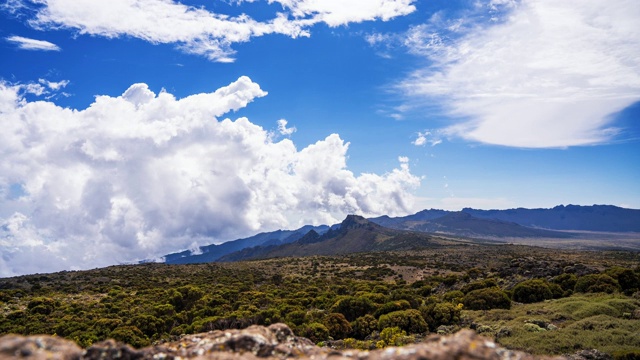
[(199, 31), (33, 44), (531, 73), (143, 174)]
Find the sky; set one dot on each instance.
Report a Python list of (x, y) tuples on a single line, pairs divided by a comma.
[(130, 129)]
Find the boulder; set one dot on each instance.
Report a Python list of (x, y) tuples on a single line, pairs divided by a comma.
[(255, 342)]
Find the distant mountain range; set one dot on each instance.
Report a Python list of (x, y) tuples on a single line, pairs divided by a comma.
[(465, 224), (356, 234), (606, 218)]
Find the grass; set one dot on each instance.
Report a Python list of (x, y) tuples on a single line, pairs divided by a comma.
[(582, 321)]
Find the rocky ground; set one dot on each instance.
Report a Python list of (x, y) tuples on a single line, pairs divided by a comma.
[(256, 342)]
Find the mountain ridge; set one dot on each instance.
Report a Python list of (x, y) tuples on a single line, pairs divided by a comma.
[(509, 223)]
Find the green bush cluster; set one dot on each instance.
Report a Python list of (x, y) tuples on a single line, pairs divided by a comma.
[(147, 303)]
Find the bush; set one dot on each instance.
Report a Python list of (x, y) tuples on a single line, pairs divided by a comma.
[(454, 296), (392, 306), (394, 336), (41, 305), (596, 283), (130, 335), (353, 307), (441, 314), (364, 326), (296, 317), (487, 283), (531, 291), (566, 281), (408, 320), (628, 280), (315, 332), (338, 326), (486, 299)]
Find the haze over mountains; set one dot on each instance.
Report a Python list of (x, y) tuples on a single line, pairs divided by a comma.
[(356, 234)]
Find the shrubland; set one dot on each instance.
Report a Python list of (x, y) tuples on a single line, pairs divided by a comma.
[(533, 299)]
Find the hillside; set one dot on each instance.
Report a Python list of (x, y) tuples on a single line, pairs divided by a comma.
[(571, 217), (354, 235), (465, 224), (507, 292), (214, 252)]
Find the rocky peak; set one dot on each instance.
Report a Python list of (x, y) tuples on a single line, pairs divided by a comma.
[(354, 222)]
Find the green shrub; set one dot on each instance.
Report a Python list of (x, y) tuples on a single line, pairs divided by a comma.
[(628, 280), (483, 284), (130, 335), (353, 307), (410, 321), (566, 281), (454, 296), (596, 283), (315, 332), (185, 297), (41, 305), (441, 314), (392, 306), (485, 299), (338, 326), (394, 336), (364, 326), (296, 317), (531, 291)]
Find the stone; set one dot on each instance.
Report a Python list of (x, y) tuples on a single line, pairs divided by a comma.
[(38, 348), (255, 342)]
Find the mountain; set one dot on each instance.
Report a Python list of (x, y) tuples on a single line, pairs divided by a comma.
[(525, 223), (212, 253), (420, 216), (604, 218), (464, 224), (355, 234), (607, 218)]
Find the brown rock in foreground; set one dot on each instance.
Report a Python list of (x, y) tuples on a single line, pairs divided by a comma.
[(256, 342)]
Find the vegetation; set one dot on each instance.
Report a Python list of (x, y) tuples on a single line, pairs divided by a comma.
[(562, 301)]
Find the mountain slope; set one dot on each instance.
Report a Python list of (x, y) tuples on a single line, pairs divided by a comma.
[(355, 234), (212, 253), (604, 218), (571, 217), (464, 224)]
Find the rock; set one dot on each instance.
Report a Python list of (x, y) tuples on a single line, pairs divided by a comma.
[(256, 342), (592, 354), (38, 348)]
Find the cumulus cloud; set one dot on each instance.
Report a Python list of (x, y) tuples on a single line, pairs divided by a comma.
[(33, 44), (199, 31), (538, 74), (143, 174)]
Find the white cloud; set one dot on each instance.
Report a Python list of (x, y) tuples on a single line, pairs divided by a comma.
[(198, 31), (339, 12), (425, 138), (143, 174), (33, 44), (283, 129), (53, 85), (542, 74)]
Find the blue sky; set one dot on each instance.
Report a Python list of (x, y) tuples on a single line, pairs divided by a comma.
[(115, 145)]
